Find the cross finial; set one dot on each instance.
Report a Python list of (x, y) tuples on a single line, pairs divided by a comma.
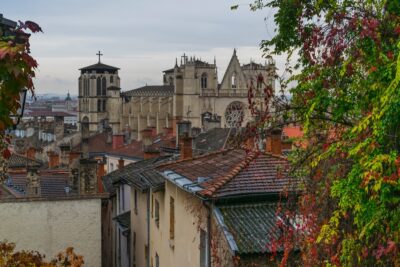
[(99, 54)]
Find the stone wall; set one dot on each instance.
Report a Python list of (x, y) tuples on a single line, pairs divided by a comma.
[(51, 226)]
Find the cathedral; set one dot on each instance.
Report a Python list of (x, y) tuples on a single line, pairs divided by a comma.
[(190, 91)]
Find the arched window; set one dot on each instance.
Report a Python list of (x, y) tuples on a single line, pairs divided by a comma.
[(103, 86), (111, 79), (203, 81), (104, 105), (233, 82), (98, 86)]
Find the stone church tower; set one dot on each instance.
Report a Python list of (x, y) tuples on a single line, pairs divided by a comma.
[(99, 97)]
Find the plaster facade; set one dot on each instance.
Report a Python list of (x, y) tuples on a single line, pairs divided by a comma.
[(51, 226)]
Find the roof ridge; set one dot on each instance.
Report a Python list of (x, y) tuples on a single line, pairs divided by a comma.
[(235, 171), (194, 158)]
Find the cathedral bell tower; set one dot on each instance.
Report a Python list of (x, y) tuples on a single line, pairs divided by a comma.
[(99, 96)]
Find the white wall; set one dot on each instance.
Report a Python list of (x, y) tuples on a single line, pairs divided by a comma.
[(51, 226)]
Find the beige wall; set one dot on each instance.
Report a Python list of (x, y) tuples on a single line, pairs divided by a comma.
[(51, 226), (190, 216), (139, 227)]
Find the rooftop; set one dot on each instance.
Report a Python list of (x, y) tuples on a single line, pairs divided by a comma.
[(250, 228), (151, 90)]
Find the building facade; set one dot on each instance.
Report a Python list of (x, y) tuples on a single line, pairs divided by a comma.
[(190, 91)]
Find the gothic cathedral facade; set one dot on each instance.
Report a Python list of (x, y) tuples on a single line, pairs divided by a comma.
[(190, 91)]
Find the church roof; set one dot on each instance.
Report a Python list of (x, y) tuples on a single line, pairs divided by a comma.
[(100, 66), (152, 90)]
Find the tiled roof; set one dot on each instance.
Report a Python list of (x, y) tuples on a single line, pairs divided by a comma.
[(52, 183), (18, 161), (264, 174), (134, 149), (214, 167), (252, 226), (233, 173), (140, 175), (213, 140), (151, 90)]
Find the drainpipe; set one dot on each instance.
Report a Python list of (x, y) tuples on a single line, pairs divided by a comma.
[(209, 206), (148, 228)]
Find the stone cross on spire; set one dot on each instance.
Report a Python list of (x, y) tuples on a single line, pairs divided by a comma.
[(99, 54)]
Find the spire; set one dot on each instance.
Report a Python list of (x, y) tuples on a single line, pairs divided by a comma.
[(176, 62), (215, 61), (234, 51)]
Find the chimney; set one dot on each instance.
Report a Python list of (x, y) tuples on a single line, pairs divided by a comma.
[(73, 155), (121, 163), (184, 130), (147, 139), (54, 159), (31, 152), (185, 147), (100, 173), (33, 188), (117, 141), (274, 142)]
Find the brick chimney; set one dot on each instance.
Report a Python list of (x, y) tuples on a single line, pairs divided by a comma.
[(54, 159), (121, 163), (31, 152), (274, 142), (185, 147), (73, 155), (33, 188), (100, 173), (147, 139), (117, 141)]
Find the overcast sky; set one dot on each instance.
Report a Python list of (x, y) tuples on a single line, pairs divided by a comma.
[(141, 37)]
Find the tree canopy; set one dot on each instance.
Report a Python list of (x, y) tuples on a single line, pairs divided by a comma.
[(347, 97)]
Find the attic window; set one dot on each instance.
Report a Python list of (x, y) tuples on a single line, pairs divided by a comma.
[(233, 81)]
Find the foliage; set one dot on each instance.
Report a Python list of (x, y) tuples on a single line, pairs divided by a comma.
[(347, 97), (10, 257), (17, 69)]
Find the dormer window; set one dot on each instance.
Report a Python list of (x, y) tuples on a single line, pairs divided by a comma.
[(203, 81)]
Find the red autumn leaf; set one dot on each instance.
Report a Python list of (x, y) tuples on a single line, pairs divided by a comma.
[(6, 153)]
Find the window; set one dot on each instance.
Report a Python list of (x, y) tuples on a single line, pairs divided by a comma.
[(203, 248), (103, 86), (146, 254), (98, 86), (104, 105), (233, 82), (136, 200), (171, 218), (203, 81), (111, 79), (99, 105), (157, 260), (122, 197), (157, 213)]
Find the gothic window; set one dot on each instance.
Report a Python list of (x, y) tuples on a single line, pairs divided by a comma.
[(234, 114), (104, 105), (103, 86), (85, 87), (111, 79), (234, 81), (98, 86), (98, 105), (203, 81)]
